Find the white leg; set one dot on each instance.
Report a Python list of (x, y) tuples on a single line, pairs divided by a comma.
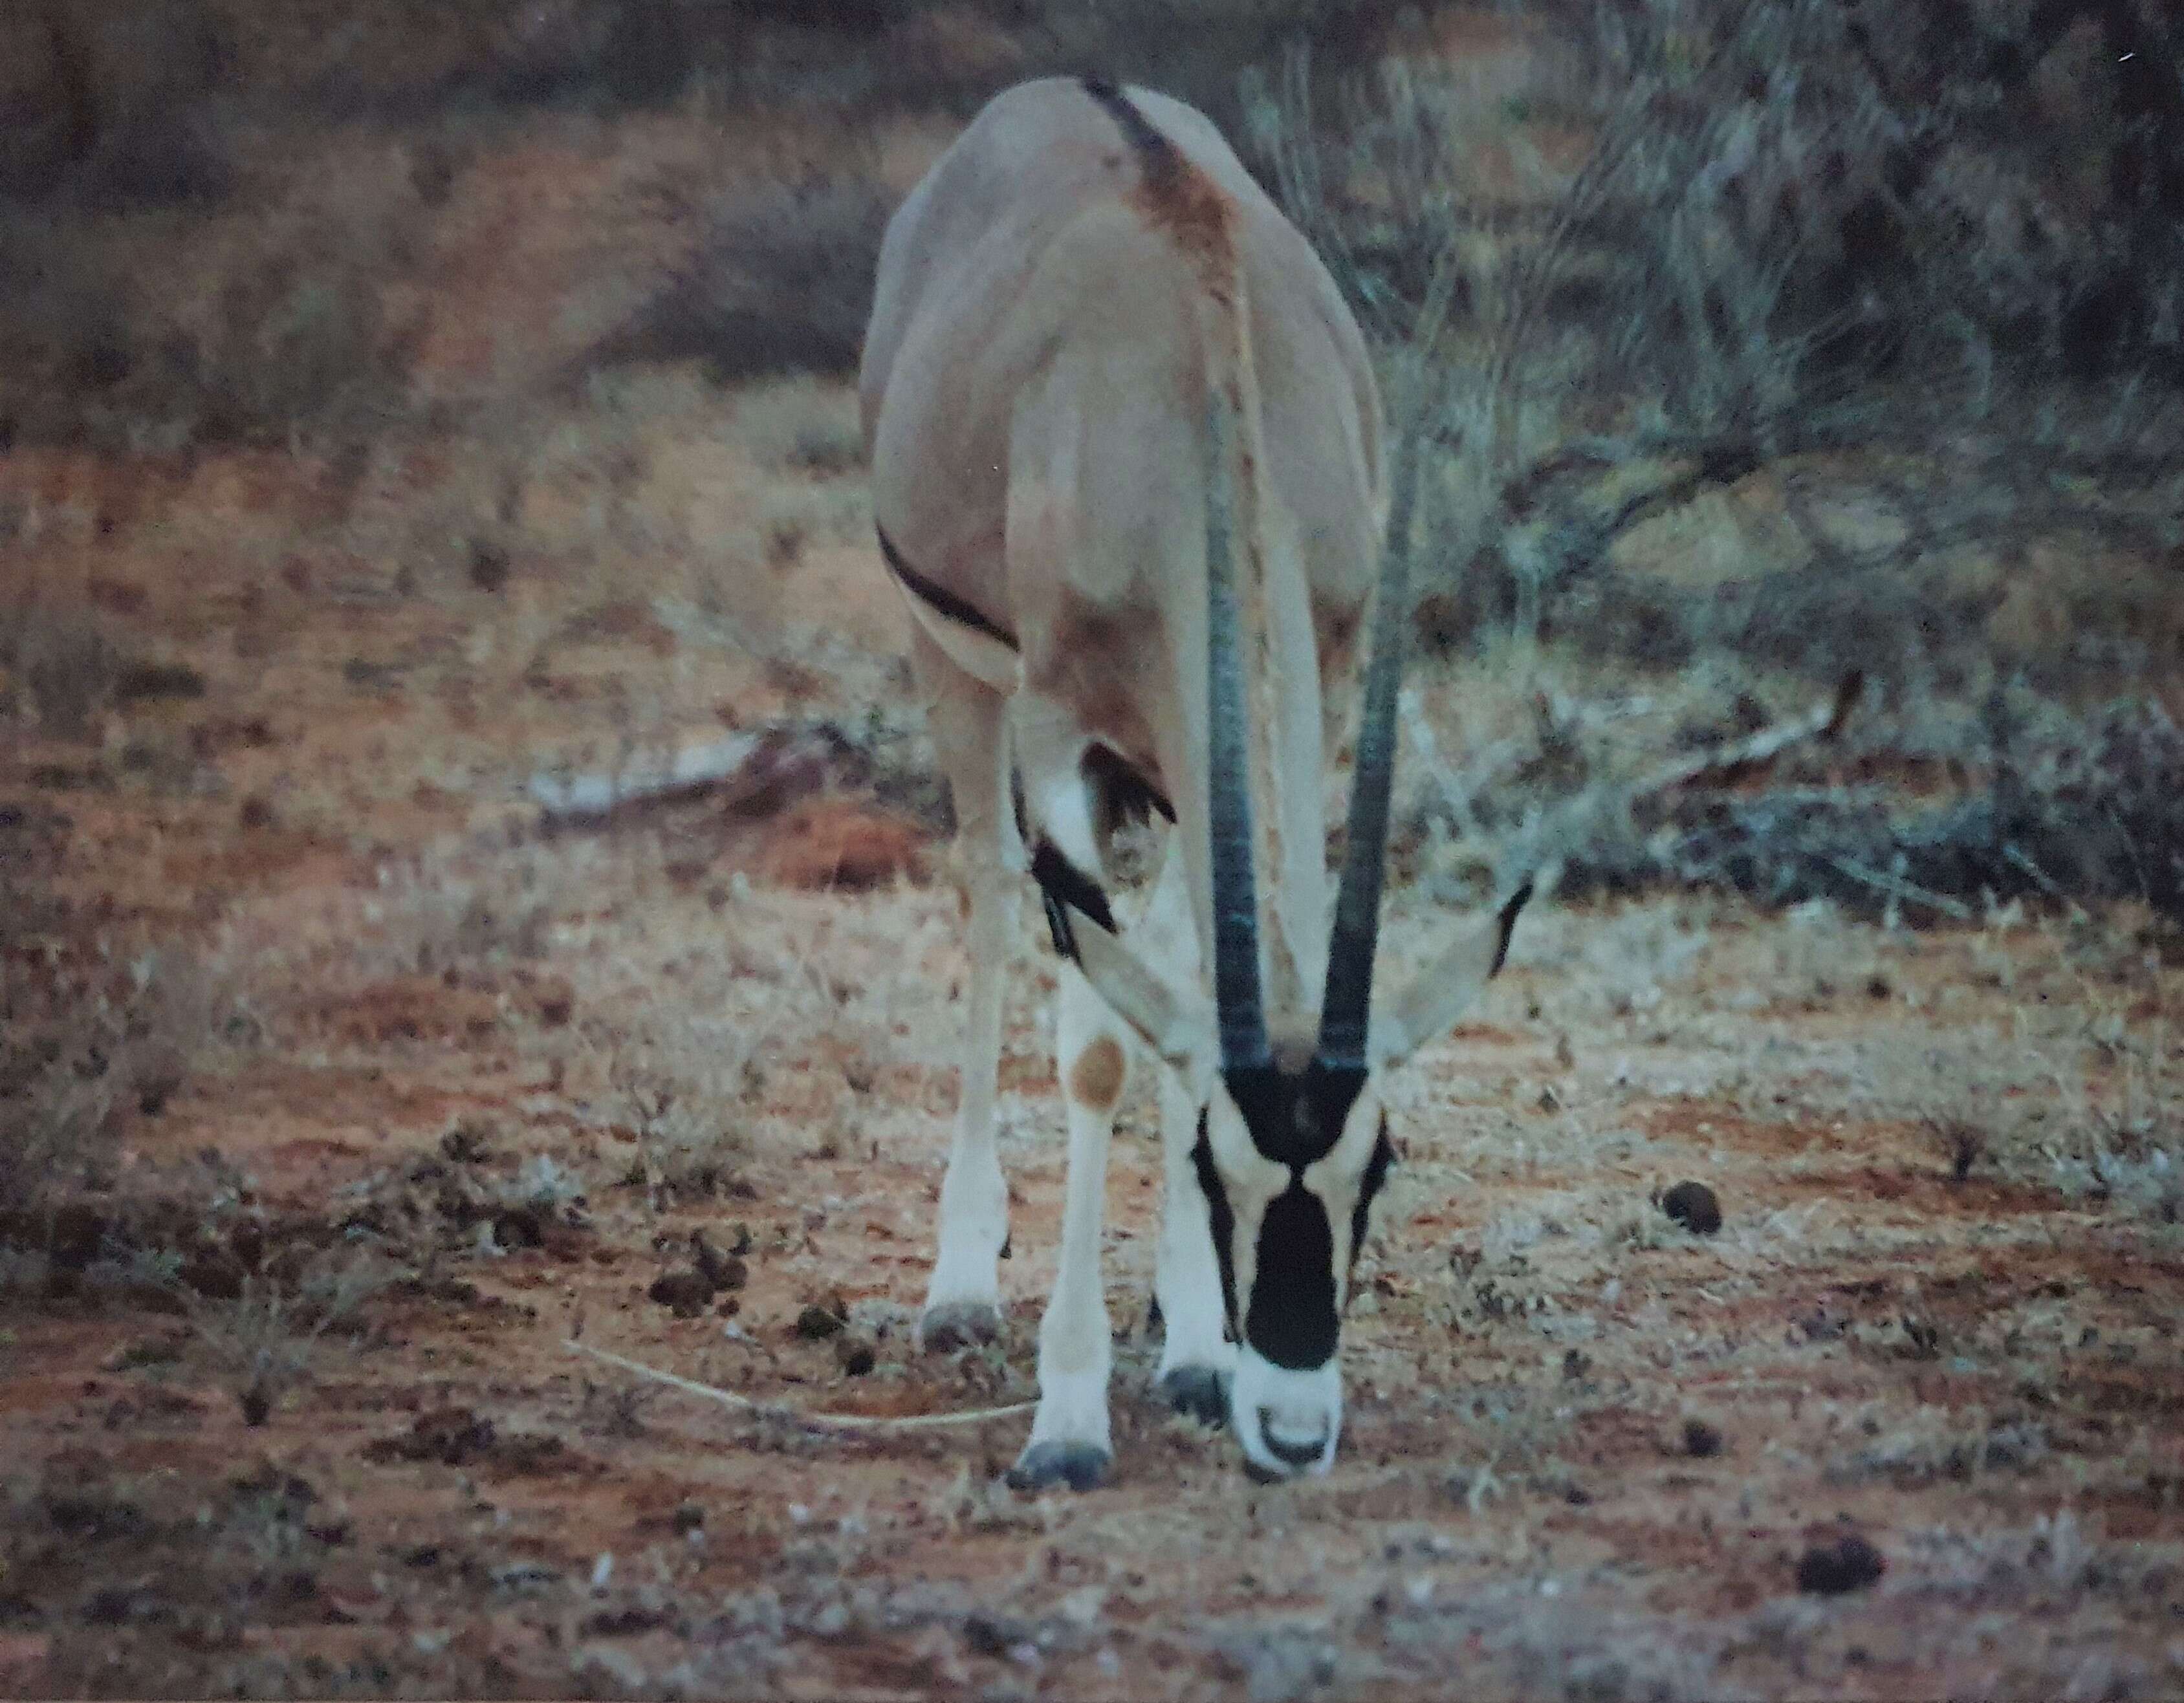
[(1069, 1436), (1197, 1362), (962, 1302)]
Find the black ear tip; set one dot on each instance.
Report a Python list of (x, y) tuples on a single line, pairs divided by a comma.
[(1516, 902), (1057, 924), (1105, 924)]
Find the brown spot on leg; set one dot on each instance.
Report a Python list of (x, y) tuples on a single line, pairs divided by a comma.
[(1095, 1079)]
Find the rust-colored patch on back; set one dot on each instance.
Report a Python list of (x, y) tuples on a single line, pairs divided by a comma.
[(1175, 197), (1095, 1079), (1191, 211)]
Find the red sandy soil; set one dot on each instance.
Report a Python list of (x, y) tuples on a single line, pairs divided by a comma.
[(1588, 1450)]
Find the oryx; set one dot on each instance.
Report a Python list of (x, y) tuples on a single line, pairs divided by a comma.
[(1127, 470)]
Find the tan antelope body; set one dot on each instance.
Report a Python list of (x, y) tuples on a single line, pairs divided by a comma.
[(1126, 450)]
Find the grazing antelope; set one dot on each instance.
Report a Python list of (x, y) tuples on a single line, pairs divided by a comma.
[(1126, 450)]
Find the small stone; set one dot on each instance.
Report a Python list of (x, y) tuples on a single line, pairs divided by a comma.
[(856, 1358), (990, 1634), (1702, 1441), (722, 1271), (684, 1290), (816, 1322), (489, 565), (689, 1517), (1694, 1206), (1848, 1564)]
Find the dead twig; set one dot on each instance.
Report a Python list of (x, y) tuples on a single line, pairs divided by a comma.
[(816, 1422), (1726, 764), (757, 770)]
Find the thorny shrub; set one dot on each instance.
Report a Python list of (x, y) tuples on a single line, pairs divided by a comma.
[(293, 340), (58, 667), (115, 108), (1793, 229), (780, 282), (80, 1053), (264, 1341)]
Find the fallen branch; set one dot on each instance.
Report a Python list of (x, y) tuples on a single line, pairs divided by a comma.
[(1897, 888), (1724, 765), (816, 1422), (643, 779), (763, 769)]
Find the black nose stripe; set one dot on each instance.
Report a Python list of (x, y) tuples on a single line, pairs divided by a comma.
[(1291, 1321)]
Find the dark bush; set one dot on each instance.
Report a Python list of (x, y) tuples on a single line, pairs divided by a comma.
[(115, 105), (1804, 237), (780, 282)]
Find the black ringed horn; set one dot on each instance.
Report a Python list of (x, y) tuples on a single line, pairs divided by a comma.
[(1236, 996), (1346, 1011)]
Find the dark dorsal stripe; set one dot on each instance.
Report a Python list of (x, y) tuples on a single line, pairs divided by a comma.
[(940, 598), (1062, 884), (1163, 167)]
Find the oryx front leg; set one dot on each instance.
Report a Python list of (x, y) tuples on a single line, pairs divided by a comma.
[(963, 1305), (1197, 1362), (1069, 1436)]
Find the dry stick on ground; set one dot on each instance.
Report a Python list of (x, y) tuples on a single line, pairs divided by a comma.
[(1719, 766), (790, 758), (817, 1421), (1725, 765)]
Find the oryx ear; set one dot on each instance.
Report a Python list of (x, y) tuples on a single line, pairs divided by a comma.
[(1429, 1007), (1175, 1021)]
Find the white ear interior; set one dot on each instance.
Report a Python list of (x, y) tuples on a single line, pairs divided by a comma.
[(1445, 990), (1176, 1022)]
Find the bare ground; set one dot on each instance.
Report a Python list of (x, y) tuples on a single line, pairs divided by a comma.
[(507, 1075)]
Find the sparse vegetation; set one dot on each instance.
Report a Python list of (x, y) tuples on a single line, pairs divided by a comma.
[(264, 1340)]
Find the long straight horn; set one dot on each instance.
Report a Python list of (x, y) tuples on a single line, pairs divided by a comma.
[(1345, 1014), (1236, 997)]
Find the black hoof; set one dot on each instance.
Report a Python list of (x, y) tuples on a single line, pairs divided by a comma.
[(957, 1324), (1198, 1391), (1080, 1466)]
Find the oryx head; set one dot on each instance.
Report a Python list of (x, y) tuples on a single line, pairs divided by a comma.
[(1293, 1145)]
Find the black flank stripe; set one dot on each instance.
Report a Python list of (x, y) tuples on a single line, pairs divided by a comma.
[(941, 600), (1062, 885)]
